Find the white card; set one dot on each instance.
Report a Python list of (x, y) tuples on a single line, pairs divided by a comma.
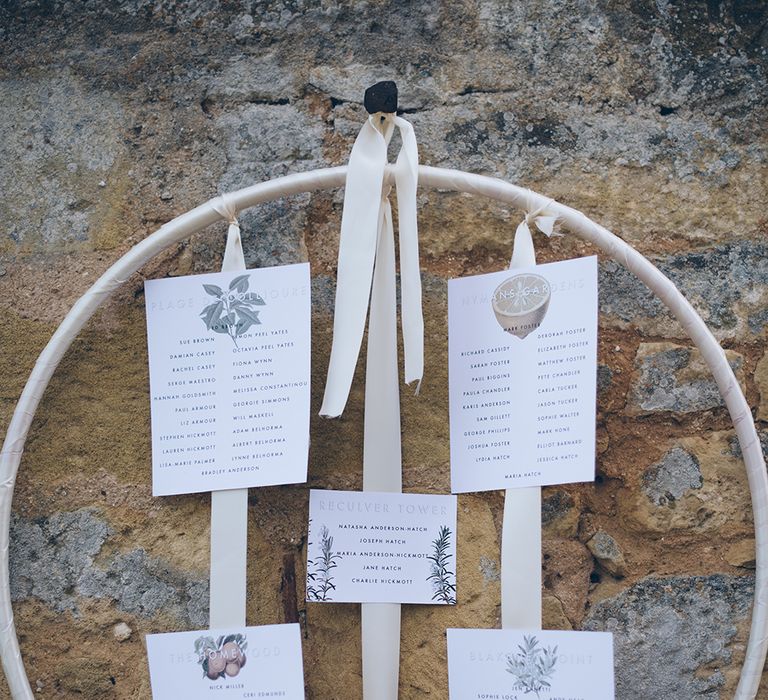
[(249, 662), (373, 547), (535, 664), (229, 372), (522, 374)]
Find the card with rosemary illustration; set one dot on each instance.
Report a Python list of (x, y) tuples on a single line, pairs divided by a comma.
[(530, 664), (229, 379), (367, 547)]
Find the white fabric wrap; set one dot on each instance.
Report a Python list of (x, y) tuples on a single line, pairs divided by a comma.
[(361, 224), (521, 529)]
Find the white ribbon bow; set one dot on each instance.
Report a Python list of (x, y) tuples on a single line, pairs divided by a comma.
[(366, 216)]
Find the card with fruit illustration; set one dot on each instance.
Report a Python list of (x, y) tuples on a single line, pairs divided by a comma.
[(229, 368), (244, 663), (530, 665), (522, 376)]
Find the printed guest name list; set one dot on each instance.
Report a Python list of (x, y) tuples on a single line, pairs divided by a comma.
[(522, 409), (229, 379)]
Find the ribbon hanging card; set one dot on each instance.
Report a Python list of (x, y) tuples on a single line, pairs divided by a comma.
[(243, 662), (522, 354), (374, 547), (518, 664), (229, 365)]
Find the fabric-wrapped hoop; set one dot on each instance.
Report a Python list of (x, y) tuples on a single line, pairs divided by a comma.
[(451, 180)]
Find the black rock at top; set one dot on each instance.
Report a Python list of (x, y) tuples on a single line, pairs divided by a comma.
[(381, 97)]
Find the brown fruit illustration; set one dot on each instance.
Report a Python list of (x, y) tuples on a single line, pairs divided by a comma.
[(231, 652), (216, 664), (242, 663), (232, 669)]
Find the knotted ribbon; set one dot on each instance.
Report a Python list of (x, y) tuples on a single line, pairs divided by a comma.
[(367, 215)]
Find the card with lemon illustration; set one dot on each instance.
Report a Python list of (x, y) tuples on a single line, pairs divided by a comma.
[(247, 662), (522, 374)]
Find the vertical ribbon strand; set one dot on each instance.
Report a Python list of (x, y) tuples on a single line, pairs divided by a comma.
[(521, 528)]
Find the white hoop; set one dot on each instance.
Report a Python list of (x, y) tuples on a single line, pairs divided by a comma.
[(452, 180)]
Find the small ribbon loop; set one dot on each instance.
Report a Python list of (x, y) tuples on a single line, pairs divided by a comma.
[(365, 213)]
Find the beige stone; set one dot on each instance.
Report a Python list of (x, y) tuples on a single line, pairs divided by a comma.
[(741, 554), (761, 379)]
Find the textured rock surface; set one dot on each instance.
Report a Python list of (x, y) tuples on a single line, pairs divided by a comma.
[(674, 378), (673, 636), (649, 117)]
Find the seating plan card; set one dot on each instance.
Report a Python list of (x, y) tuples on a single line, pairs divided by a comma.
[(373, 547), (250, 662), (229, 371), (522, 373), (517, 664)]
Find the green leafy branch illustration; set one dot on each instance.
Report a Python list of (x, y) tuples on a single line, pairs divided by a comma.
[(222, 658), (233, 311), (443, 580), (321, 578), (532, 666)]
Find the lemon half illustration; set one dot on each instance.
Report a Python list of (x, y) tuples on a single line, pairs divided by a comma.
[(521, 302)]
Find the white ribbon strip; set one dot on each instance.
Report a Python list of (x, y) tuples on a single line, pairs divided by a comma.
[(360, 226), (521, 528), (382, 460), (229, 509)]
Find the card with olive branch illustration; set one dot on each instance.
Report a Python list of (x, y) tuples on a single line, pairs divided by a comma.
[(229, 367), (254, 662), (369, 547), (530, 664)]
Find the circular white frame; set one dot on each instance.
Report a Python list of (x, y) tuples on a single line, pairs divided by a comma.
[(451, 180)]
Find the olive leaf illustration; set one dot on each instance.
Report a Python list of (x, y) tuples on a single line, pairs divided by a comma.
[(222, 658), (233, 311), (532, 666), (443, 580), (321, 578)]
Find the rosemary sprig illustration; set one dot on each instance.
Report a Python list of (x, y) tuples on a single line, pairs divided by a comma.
[(443, 580), (322, 580), (233, 311), (532, 666)]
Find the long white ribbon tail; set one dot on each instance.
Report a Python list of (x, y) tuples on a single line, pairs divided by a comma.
[(229, 509), (412, 319), (521, 527), (357, 252), (382, 461)]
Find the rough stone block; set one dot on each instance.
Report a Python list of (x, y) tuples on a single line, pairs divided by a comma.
[(672, 635), (608, 553), (674, 378)]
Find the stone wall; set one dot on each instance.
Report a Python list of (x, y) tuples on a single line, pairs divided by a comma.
[(649, 116)]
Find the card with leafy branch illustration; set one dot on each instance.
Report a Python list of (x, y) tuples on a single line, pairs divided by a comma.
[(530, 664), (381, 548), (229, 366)]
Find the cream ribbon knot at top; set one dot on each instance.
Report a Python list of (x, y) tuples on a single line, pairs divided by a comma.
[(523, 254), (367, 215)]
